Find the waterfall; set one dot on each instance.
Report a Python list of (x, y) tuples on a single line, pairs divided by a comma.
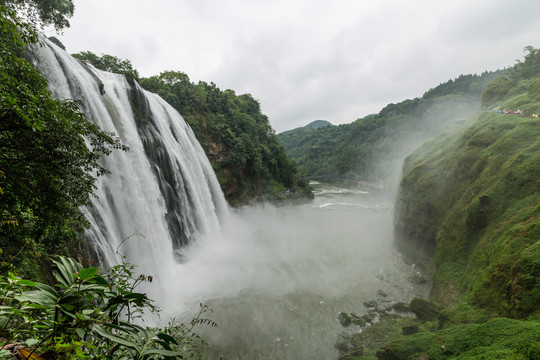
[(161, 194)]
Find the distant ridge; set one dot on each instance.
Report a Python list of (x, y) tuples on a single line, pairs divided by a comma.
[(318, 124)]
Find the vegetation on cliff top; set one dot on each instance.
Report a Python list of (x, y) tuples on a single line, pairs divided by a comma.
[(313, 125), (41, 13)]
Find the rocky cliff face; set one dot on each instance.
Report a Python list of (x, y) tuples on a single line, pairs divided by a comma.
[(469, 203), (216, 153)]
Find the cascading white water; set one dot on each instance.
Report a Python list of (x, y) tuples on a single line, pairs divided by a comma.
[(162, 193)]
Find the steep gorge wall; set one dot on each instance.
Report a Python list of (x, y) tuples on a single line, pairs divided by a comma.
[(469, 203)]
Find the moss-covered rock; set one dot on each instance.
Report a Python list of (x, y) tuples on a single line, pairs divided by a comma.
[(410, 329), (425, 310), (344, 319), (401, 307)]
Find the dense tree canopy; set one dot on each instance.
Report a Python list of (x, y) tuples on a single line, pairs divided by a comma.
[(43, 12), (47, 169)]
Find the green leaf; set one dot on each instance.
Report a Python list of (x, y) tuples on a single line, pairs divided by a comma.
[(114, 338), (35, 306), (40, 297), (66, 267), (161, 352), (80, 332), (90, 287), (47, 288), (88, 273), (137, 298), (99, 280), (25, 282), (31, 342), (4, 320), (68, 307), (167, 338)]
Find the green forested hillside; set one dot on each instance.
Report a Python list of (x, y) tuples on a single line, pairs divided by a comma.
[(472, 199), (237, 137), (373, 147), (317, 124), (473, 195)]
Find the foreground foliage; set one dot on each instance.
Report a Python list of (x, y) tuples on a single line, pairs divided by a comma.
[(86, 315)]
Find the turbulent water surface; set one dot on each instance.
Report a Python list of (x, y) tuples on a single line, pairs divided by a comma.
[(276, 278)]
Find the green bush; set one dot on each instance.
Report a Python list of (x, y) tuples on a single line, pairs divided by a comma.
[(496, 90), (87, 316)]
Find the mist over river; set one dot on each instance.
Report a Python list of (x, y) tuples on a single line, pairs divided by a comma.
[(277, 277)]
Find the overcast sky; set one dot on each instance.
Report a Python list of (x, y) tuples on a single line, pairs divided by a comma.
[(304, 60)]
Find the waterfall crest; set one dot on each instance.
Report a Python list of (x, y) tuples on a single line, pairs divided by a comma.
[(161, 194)]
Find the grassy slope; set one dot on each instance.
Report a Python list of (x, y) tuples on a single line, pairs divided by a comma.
[(471, 198), (495, 339)]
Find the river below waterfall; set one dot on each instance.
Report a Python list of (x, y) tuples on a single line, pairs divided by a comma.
[(277, 277)]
